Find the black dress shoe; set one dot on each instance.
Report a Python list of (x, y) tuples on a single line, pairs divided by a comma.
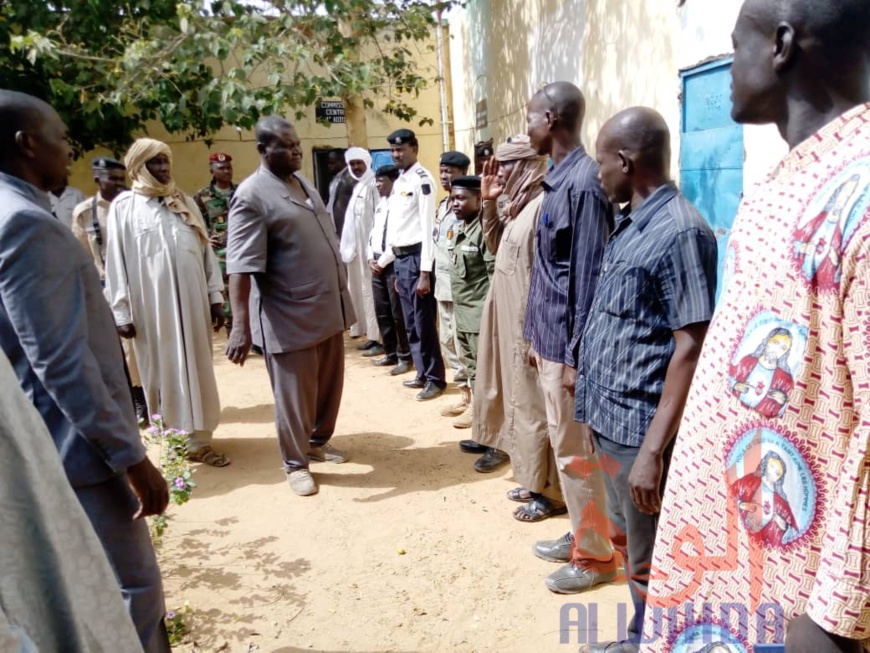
[(470, 446), (368, 344), (491, 461), (403, 367), (430, 391), (386, 361), (417, 383), (140, 405), (371, 352)]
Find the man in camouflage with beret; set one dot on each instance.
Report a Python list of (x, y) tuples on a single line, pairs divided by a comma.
[(214, 203)]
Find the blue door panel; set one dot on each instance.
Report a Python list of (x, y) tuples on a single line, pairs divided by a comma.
[(716, 193), (714, 148), (707, 97), (711, 150)]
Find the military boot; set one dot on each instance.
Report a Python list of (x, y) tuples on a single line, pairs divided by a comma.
[(458, 408), (463, 421)]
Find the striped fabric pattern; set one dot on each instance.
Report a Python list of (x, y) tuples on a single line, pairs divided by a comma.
[(658, 276), (576, 219)]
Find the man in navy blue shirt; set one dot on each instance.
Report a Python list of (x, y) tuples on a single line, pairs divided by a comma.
[(644, 333), (575, 221)]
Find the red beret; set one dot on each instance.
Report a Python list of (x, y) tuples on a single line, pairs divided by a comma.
[(219, 157)]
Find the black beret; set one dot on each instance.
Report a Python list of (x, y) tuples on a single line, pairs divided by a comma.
[(455, 159), (107, 163), (483, 151), (390, 171), (401, 136), (471, 182)]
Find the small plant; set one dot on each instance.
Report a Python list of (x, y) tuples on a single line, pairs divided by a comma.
[(173, 445), (176, 625)]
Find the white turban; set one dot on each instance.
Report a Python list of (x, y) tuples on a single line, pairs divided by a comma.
[(359, 154)]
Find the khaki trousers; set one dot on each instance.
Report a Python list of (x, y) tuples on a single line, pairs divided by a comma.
[(449, 344), (579, 472)]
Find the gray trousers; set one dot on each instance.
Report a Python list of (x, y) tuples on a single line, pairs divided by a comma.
[(632, 532), (307, 385), (110, 506)]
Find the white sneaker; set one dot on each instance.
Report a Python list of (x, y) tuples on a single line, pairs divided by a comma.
[(327, 453), (302, 483)]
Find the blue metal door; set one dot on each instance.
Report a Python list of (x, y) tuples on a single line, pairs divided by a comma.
[(711, 149)]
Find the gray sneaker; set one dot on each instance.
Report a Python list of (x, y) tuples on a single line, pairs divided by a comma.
[(301, 482), (573, 580), (555, 550), (326, 453)]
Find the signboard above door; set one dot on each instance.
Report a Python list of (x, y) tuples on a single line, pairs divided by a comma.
[(481, 118), (330, 111)]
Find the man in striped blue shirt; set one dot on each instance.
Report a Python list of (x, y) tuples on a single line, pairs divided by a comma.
[(575, 221), (654, 299)]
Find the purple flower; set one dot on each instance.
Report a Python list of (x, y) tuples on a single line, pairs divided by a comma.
[(170, 615), (179, 483), (156, 417)]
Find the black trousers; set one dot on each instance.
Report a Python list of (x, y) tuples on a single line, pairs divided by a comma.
[(388, 312), (421, 320), (632, 532)]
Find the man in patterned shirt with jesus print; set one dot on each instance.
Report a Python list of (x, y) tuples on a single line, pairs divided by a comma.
[(764, 533)]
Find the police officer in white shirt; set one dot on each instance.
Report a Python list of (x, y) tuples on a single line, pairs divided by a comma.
[(409, 234)]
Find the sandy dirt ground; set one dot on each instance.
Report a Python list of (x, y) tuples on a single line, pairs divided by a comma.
[(406, 548)]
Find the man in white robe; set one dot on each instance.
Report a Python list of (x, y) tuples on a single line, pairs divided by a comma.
[(165, 287), (358, 223)]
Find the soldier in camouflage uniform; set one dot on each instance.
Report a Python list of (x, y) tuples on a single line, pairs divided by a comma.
[(214, 203)]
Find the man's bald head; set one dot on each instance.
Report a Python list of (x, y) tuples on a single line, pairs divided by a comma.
[(267, 128), (643, 134), (33, 141), (19, 112), (279, 146), (567, 103), (555, 113), (814, 49), (833, 25), (634, 152)]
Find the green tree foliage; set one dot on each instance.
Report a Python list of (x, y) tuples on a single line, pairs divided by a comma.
[(110, 66)]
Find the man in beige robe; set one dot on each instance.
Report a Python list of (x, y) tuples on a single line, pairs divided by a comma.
[(165, 287), (509, 412)]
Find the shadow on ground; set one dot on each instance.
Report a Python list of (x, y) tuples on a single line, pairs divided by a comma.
[(396, 466), (233, 579), (262, 414)]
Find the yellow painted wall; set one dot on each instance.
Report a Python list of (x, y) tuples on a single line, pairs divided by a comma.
[(191, 157)]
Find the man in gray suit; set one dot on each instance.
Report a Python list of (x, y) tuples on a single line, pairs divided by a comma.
[(281, 236), (57, 331)]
